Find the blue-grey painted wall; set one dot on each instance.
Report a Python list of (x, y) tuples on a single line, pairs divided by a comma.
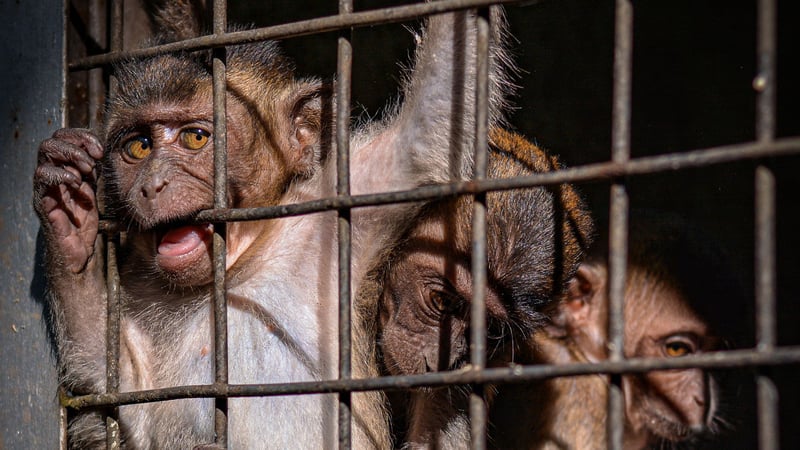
[(31, 87)]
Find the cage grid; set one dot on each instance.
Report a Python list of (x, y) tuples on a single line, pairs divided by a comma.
[(617, 170)]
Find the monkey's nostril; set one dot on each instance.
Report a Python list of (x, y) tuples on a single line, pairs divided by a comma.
[(161, 186), (699, 400), (428, 367), (150, 190)]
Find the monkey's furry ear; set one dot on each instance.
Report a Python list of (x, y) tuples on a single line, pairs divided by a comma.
[(309, 127), (175, 20), (581, 291)]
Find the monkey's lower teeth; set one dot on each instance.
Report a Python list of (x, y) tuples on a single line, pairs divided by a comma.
[(182, 240)]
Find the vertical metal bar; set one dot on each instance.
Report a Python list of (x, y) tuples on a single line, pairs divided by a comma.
[(63, 420), (618, 214), (343, 92), (477, 404), (63, 413), (113, 309), (764, 83), (220, 309), (767, 392), (112, 337), (95, 85), (116, 25), (765, 192)]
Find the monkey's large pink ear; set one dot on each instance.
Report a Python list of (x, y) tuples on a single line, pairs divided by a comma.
[(309, 129)]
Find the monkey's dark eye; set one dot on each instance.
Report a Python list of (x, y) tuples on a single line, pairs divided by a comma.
[(676, 348), (444, 302), (139, 147), (194, 138)]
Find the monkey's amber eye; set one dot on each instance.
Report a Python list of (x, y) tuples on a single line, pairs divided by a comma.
[(443, 302), (195, 138), (139, 147), (674, 349)]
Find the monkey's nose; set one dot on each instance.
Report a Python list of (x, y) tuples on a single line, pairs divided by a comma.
[(154, 187)]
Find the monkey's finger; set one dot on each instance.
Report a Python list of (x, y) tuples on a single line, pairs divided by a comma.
[(60, 153), (79, 204), (49, 175), (82, 138)]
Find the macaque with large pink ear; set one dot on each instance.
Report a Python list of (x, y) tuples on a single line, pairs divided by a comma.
[(156, 150)]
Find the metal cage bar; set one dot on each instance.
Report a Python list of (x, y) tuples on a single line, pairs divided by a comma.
[(296, 29), (113, 307), (112, 336), (219, 315), (618, 214), (477, 402), (343, 93), (731, 359), (765, 194)]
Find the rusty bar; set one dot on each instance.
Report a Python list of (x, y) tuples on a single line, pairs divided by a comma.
[(765, 180), (767, 392), (477, 403), (618, 214), (765, 194), (63, 419), (765, 81), (114, 316), (589, 172), (220, 307), (113, 307), (295, 29), (63, 412), (95, 83), (116, 25), (732, 359), (343, 92)]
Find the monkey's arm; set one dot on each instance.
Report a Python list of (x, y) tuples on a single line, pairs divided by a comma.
[(64, 198)]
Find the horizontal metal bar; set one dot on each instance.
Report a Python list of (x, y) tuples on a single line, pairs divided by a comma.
[(514, 374), (294, 29), (591, 172)]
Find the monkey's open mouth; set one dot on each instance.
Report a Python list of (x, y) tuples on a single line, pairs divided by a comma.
[(181, 240)]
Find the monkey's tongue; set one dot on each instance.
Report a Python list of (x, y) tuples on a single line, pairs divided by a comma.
[(180, 241)]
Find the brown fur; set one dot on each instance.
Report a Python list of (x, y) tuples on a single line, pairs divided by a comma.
[(535, 238)]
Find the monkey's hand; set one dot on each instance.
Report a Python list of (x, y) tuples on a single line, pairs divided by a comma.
[(64, 195)]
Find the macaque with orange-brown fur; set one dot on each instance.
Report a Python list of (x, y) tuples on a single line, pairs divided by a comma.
[(535, 240), (156, 153)]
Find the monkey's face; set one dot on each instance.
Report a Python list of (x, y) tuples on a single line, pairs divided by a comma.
[(160, 175), (426, 299), (675, 405), (424, 314)]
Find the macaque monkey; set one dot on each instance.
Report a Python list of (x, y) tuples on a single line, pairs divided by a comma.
[(535, 240), (155, 150), (668, 275)]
